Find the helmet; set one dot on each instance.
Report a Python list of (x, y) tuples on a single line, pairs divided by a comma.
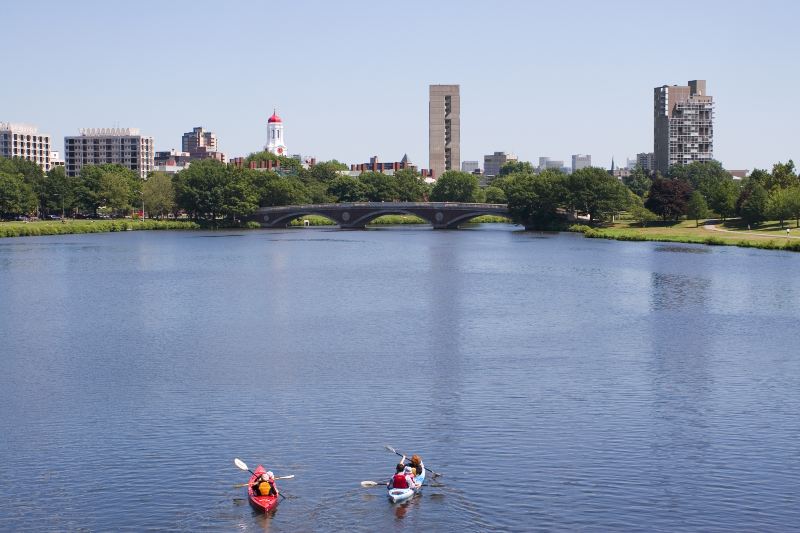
[(270, 475)]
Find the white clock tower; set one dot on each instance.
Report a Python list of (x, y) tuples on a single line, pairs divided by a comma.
[(275, 142)]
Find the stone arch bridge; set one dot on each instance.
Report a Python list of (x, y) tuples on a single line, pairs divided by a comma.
[(442, 215)]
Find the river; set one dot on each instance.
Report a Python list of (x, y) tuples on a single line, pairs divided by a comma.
[(558, 383)]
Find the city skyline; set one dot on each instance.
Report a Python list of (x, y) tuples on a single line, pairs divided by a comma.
[(549, 95)]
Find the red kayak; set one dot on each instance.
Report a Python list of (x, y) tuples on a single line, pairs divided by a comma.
[(264, 504)]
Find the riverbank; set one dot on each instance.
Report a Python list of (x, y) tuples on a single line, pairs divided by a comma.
[(66, 227), (769, 236)]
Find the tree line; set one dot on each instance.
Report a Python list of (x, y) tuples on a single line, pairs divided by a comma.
[(696, 191), (209, 190)]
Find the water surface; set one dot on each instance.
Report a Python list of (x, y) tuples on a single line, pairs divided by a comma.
[(557, 382)]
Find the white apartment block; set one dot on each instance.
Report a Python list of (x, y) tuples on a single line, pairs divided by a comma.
[(98, 146), (24, 141), (580, 161)]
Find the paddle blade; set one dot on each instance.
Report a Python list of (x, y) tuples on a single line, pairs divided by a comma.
[(241, 465), (285, 477), (369, 483), (391, 449)]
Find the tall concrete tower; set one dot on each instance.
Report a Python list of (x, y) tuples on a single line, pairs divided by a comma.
[(275, 140), (444, 129)]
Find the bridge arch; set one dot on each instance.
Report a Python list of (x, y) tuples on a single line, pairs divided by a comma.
[(369, 217), (284, 219)]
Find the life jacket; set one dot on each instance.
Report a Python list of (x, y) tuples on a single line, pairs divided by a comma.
[(399, 481), (263, 488)]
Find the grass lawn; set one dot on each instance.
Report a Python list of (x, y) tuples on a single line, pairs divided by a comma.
[(68, 226), (768, 235)]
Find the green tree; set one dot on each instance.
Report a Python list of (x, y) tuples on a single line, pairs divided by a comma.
[(284, 191), (346, 189), (794, 204), (534, 200), (495, 195), (16, 196), (200, 188), (516, 167), (783, 176), (455, 186), (753, 204), (58, 193), (240, 197), (697, 207), (326, 171), (158, 194), (410, 186), (378, 187), (32, 175), (668, 198), (722, 198), (593, 191), (780, 204), (120, 187), (638, 181), (641, 214)]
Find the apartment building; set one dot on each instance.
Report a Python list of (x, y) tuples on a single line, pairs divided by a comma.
[(25, 141), (580, 161), (97, 146), (492, 163), (683, 125)]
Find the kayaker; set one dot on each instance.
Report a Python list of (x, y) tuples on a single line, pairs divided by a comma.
[(416, 464), (265, 485), (403, 479)]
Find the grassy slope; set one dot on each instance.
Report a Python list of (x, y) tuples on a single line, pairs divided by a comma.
[(769, 235)]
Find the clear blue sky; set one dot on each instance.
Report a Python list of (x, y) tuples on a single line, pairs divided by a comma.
[(350, 79)]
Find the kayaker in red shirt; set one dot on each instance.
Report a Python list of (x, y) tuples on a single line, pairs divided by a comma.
[(403, 479)]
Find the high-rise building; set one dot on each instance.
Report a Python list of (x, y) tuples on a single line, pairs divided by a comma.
[(444, 128), (276, 143), (471, 166), (580, 161), (199, 144), (545, 163), (492, 163), (97, 146), (198, 138), (683, 125), (25, 142), (645, 160)]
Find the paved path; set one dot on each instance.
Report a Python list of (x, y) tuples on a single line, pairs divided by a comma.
[(713, 227)]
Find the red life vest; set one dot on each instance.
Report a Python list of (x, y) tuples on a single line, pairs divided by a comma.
[(399, 481)]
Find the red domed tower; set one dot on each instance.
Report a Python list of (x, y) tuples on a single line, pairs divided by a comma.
[(275, 142)]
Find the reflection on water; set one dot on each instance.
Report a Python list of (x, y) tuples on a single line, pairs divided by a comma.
[(558, 383)]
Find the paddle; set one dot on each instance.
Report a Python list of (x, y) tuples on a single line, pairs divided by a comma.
[(372, 483), (241, 465), (435, 474)]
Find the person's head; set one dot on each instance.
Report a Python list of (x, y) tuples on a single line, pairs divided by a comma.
[(407, 470), (416, 459), (264, 477), (400, 467), (270, 475)]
